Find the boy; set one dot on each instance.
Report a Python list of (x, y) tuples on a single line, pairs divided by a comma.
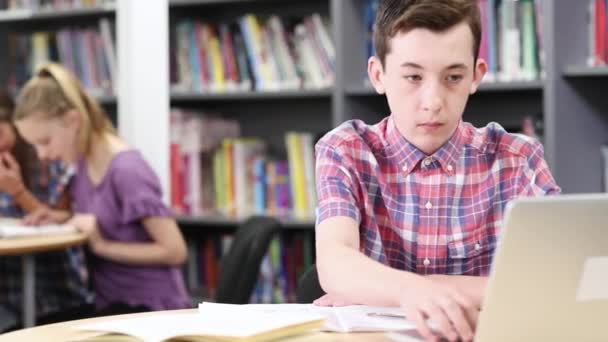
[(409, 209)]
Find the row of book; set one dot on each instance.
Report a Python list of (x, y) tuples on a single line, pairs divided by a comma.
[(511, 38), (598, 33), (214, 171), (252, 53), (288, 256), (88, 52), (49, 5)]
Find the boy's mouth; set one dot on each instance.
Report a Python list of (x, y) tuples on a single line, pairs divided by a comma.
[(430, 125)]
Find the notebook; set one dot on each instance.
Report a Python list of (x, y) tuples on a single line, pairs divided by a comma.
[(13, 228), (210, 325)]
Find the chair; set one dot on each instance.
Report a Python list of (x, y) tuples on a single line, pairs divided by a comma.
[(309, 287), (239, 268)]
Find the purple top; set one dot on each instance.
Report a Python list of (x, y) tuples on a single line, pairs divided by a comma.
[(128, 193)]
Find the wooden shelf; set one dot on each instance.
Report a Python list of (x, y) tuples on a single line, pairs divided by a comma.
[(367, 90), (249, 95), (222, 222), (185, 3), (513, 86), (585, 71), (28, 15)]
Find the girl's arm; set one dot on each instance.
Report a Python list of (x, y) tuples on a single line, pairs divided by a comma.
[(166, 248)]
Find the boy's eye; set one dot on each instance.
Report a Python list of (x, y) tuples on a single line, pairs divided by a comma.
[(413, 78), (454, 78)]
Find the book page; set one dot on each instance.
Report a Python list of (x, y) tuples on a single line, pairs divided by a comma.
[(208, 322), (353, 318)]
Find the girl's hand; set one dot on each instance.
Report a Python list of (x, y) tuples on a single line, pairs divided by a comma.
[(87, 224), (46, 215), (10, 175)]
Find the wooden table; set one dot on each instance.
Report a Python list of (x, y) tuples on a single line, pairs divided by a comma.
[(27, 247), (61, 332)]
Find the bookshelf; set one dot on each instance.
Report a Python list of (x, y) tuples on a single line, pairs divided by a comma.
[(27, 15), (25, 22), (180, 96), (351, 97), (574, 71), (222, 222)]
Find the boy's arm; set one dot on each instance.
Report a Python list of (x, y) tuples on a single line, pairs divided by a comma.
[(346, 273)]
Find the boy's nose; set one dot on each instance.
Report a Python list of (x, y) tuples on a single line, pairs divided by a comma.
[(432, 98)]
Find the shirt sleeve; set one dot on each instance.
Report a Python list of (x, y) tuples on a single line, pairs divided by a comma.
[(336, 188), (138, 190), (535, 177)]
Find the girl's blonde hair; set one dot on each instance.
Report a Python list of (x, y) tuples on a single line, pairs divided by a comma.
[(52, 92)]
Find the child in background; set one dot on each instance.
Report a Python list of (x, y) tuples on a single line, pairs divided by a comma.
[(136, 245), (27, 185)]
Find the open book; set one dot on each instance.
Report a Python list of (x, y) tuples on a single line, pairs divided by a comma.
[(352, 318), (209, 325), (13, 228)]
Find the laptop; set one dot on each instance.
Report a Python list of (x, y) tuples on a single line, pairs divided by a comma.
[(549, 278)]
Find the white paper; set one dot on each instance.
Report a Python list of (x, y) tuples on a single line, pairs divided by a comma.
[(10, 228), (352, 318)]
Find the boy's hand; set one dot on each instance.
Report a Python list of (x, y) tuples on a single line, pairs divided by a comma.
[(472, 286), (331, 300), (10, 175), (46, 215), (454, 313)]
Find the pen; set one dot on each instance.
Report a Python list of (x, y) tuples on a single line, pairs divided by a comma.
[(387, 315)]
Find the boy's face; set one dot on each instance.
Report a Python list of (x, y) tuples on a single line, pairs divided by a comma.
[(427, 78)]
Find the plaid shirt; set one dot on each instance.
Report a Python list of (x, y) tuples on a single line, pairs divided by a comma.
[(437, 214), (61, 276)]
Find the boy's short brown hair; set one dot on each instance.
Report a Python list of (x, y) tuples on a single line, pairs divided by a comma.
[(436, 15)]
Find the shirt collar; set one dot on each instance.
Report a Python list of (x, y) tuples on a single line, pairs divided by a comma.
[(402, 152)]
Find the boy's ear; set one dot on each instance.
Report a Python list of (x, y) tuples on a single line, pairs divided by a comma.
[(375, 71), (481, 67)]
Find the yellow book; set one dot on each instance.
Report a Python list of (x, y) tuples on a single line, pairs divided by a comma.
[(218, 180), (229, 205), (217, 64), (297, 178)]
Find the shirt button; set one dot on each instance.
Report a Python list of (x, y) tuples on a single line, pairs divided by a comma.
[(477, 246), (428, 205), (427, 162), (450, 168), (404, 168), (426, 262)]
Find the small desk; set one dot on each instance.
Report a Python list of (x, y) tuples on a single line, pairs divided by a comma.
[(61, 332), (27, 247)]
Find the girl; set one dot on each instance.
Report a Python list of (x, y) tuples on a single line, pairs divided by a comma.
[(136, 244), (27, 185)]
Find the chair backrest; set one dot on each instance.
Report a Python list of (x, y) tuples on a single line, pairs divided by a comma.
[(240, 267), (309, 287)]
